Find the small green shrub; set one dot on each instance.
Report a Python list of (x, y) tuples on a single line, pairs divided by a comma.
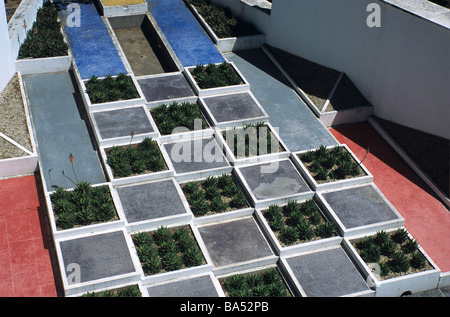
[(146, 157), (111, 88), (82, 206), (176, 115), (212, 75), (400, 236), (166, 249), (399, 262), (371, 254), (418, 260)]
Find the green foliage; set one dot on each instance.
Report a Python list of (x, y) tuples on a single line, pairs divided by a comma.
[(410, 246), (177, 115), (399, 262), (325, 230), (82, 206), (212, 75), (288, 235), (111, 89), (265, 284), (371, 254), (165, 249), (400, 236), (44, 39), (221, 20), (330, 164), (146, 157), (418, 260), (214, 194)]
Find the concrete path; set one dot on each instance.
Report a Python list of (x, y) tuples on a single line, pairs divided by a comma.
[(185, 35), (60, 130), (92, 47), (298, 127)]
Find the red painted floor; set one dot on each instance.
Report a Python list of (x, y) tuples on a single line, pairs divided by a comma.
[(25, 262), (426, 218)]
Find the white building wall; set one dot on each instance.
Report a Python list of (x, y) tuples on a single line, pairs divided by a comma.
[(402, 67), (7, 68)]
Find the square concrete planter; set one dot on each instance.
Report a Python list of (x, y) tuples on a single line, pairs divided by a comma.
[(233, 110), (85, 261), (327, 272), (396, 286), (199, 285), (236, 245), (181, 273), (182, 133), (119, 104), (315, 185), (117, 126), (168, 172), (231, 43), (36, 66), (88, 229), (307, 246), (197, 158), (137, 284), (273, 182), (245, 86), (123, 9), (146, 205), (281, 152), (217, 216), (359, 210)]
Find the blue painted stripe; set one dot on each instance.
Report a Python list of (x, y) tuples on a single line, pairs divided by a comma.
[(185, 35), (92, 47)]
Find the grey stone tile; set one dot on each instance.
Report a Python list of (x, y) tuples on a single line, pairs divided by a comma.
[(194, 287), (165, 87), (99, 256), (359, 206), (150, 201), (327, 273), (234, 242), (119, 123)]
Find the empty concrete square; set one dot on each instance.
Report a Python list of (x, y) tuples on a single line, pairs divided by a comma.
[(150, 201), (234, 242), (165, 87), (121, 122), (359, 206), (327, 273), (201, 286)]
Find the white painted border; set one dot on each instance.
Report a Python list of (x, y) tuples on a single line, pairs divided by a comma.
[(149, 224), (238, 122), (368, 178), (217, 90), (115, 140), (102, 283), (262, 203), (231, 43), (365, 229), (141, 177), (254, 159), (112, 288), (415, 282), (125, 9), (88, 229)]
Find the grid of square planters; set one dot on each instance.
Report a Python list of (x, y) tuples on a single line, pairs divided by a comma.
[(204, 199)]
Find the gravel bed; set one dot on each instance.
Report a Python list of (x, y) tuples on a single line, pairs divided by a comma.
[(13, 121)]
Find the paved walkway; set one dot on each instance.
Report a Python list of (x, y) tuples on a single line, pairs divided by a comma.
[(60, 130), (298, 127), (185, 35), (25, 261), (92, 47), (426, 218)]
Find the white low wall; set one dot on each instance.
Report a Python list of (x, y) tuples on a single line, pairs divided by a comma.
[(6, 57), (401, 67)]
